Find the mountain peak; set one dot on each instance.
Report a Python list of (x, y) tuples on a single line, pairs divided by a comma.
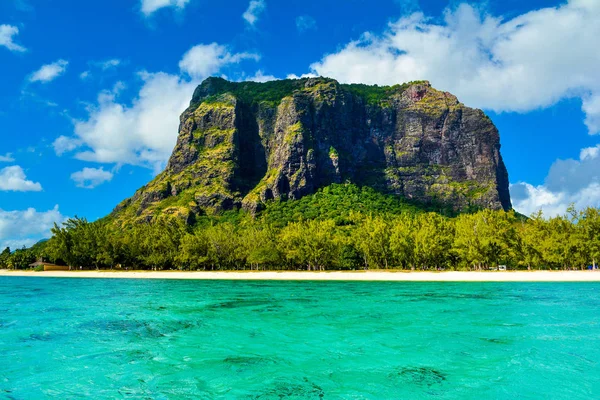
[(242, 144)]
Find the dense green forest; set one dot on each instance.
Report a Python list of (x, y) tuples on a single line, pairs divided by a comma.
[(340, 227)]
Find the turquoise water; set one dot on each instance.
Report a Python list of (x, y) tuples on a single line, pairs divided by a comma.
[(152, 339)]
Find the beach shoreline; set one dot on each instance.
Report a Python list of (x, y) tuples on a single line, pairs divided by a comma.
[(391, 276)]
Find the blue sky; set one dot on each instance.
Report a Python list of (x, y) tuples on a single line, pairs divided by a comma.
[(91, 94)]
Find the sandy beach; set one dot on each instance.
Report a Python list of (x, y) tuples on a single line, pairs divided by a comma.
[(449, 276)]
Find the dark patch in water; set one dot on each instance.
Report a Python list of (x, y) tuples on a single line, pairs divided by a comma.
[(8, 395), (35, 337), (286, 390), (248, 361), (269, 309), (156, 308), (581, 357), (138, 355), (57, 309), (240, 304), (459, 296), (421, 376), (143, 329), (119, 326), (302, 299), (494, 340)]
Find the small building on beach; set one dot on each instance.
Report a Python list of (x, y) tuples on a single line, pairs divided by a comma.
[(48, 266)]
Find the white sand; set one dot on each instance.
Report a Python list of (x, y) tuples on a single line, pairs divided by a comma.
[(450, 276)]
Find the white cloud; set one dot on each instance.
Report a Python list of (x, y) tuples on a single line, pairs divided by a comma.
[(521, 64), (7, 33), (537, 198), (568, 182), (150, 6), (261, 77), (64, 144), (144, 131), (255, 8), (591, 108), (13, 179), (7, 158), (101, 65), (109, 64), (305, 23), (49, 72), (89, 178), (294, 76), (26, 227), (589, 153), (204, 60), (141, 134)]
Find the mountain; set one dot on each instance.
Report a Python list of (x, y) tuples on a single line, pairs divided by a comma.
[(242, 144)]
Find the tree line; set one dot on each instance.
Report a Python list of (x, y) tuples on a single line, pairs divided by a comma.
[(406, 240)]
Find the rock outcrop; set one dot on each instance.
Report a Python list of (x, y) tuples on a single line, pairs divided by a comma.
[(243, 144)]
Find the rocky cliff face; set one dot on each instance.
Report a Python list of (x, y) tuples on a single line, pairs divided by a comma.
[(243, 144)]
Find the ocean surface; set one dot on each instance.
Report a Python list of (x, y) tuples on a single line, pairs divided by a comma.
[(153, 339)]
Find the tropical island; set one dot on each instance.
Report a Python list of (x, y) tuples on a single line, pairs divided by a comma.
[(309, 174)]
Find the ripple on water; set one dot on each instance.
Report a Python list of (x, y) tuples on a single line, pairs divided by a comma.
[(38, 337), (424, 377), (139, 328), (284, 389), (248, 363), (240, 303), (496, 340)]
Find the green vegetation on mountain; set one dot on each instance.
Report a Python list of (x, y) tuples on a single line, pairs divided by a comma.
[(274, 91)]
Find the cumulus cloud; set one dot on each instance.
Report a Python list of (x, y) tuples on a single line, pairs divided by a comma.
[(590, 153), (591, 108), (252, 13), (13, 179), (109, 64), (64, 144), (49, 72), (143, 132), (568, 182), (7, 34), (102, 66), (148, 7), (7, 158), (260, 76), (294, 76), (528, 62), (26, 227), (89, 178), (305, 23), (207, 59)]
